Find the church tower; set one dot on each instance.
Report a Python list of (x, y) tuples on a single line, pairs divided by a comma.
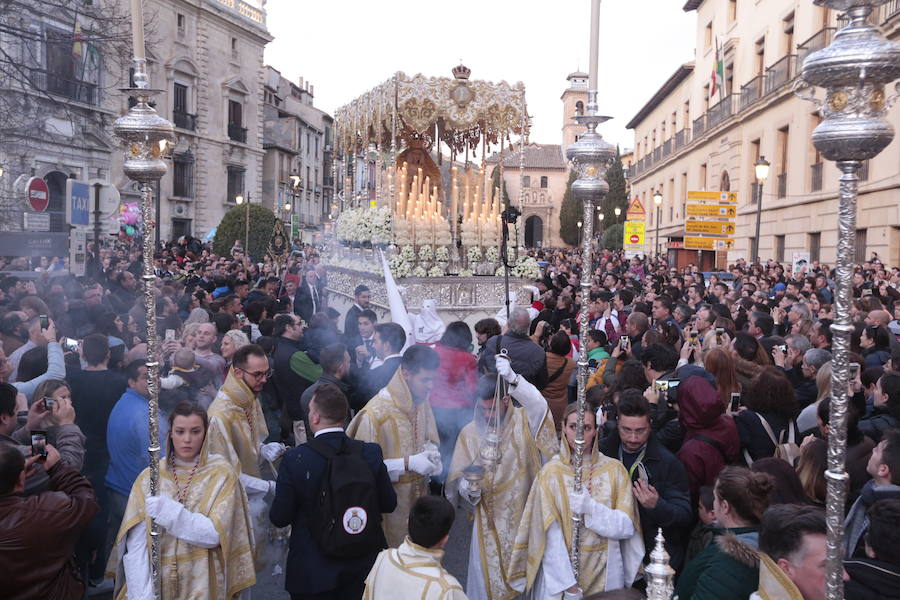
[(574, 101)]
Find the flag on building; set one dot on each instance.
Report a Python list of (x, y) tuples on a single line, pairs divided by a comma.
[(718, 75), (77, 41)]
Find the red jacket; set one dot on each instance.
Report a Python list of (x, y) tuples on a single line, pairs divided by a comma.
[(701, 413), (456, 379)]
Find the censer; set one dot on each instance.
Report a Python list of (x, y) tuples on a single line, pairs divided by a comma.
[(490, 454)]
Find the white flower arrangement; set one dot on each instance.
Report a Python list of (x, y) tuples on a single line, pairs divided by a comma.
[(465, 273), (425, 252), (441, 254), (473, 254), (436, 272), (419, 272), (359, 225), (526, 268), (408, 253), (492, 255)]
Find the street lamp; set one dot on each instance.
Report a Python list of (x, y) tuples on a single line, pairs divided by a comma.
[(762, 173), (239, 199), (657, 200)]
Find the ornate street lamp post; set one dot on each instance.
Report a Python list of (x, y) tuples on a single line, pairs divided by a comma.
[(761, 170), (590, 157), (853, 70), (147, 139)]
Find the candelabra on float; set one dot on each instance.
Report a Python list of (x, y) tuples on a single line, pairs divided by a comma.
[(590, 157), (147, 139), (853, 70)]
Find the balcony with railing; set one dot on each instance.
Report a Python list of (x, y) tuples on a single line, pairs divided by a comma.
[(720, 111), (815, 184), (752, 91), (682, 138), (889, 10), (657, 154), (780, 73), (53, 83), (818, 41), (184, 120), (699, 126), (781, 183), (237, 133), (667, 148)]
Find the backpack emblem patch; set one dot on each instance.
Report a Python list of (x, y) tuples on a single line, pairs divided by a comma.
[(355, 519)]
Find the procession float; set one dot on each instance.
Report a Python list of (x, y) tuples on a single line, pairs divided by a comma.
[(417, 192)]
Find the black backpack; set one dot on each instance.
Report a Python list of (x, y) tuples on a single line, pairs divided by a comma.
[(346, 517)]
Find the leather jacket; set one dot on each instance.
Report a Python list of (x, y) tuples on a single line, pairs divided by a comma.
[(38, 535)]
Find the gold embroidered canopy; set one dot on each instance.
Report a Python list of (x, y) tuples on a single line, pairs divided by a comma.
[(458, 112)]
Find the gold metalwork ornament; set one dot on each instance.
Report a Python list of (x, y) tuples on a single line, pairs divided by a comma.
[(838, 101), (877, 100)]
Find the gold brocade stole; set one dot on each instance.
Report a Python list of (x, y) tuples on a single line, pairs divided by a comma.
[(191, 572), (238, 425), (774, 584)]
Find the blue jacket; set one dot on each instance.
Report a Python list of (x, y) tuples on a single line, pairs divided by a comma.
[(127, 438), (308, 570)]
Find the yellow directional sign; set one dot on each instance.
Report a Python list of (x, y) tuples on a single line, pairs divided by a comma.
[(713, 227), (704, 243), (711, 210), (716, 196)]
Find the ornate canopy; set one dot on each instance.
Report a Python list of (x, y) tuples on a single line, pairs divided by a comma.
[(457, 111)]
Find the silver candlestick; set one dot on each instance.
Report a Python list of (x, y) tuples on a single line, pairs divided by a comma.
[(853, 70), (148, 139), (590, 157)]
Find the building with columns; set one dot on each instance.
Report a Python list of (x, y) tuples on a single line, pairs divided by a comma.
[(697, 133)]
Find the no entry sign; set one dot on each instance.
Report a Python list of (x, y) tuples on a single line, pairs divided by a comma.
[(38, 194)]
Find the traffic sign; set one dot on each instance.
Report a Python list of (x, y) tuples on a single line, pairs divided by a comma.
[(38, 194), (633, 235), (715, 196), (711, 210), (707, 243), (710, 227), (635, 210)]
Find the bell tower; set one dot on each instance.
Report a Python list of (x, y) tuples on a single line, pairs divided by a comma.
[(574, 100)]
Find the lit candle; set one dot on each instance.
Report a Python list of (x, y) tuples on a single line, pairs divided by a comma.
[(453, 192)]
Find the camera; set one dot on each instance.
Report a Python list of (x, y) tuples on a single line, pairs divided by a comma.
[(694, 336), (854, 370), (49, 403), (69, 344), (623, 342), (45, 322), (735, 401), (782, 347), (39, 444), (719, 332)]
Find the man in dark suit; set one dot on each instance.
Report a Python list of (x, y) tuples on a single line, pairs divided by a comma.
[(307, 299), (363, 299), (310, 574), (388, 343), (362, 347)]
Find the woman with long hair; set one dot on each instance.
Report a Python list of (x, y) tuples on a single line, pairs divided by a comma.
[(806, 420), (770, 418), (729, 567), (206, 543), (611, 549), (811, 470), (231, 341), (720, 365)]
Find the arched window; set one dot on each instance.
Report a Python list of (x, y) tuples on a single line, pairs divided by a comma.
[(725, 185), (579, 108)]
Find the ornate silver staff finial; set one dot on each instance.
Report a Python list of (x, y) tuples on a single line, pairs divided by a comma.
[(590, 157), (148, 139), (854, 70), (659, 573)]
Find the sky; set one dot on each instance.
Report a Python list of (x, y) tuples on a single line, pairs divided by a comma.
[(346, 47)]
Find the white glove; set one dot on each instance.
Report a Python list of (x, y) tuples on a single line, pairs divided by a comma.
[(573, 595), (255, 485), (580, 503), (504, 369), (471, 497), (163, 510), (426, 463), (272, 451)]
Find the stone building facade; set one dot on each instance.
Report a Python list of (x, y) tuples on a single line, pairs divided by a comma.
[(689, 138), (297, 171)]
